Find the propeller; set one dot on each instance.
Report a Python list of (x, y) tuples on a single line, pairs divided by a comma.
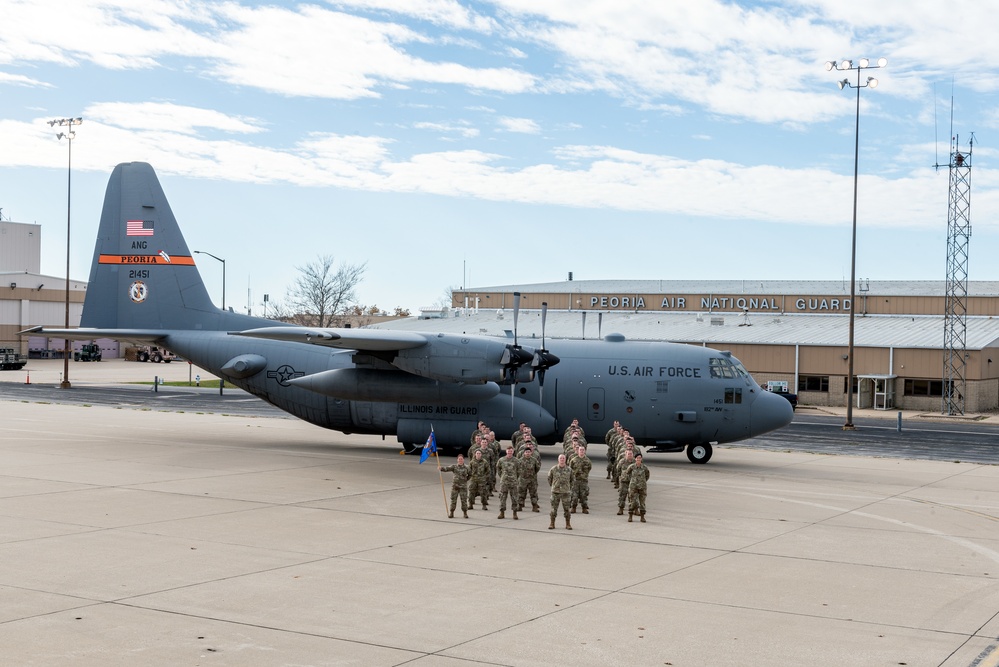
[(515, 356), (543, 359)]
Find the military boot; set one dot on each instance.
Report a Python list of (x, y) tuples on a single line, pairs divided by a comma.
[(471, 506), (485, 506), (464, 513), (515, 515), (617, 484), (573, 510), (586, 510), (608, 474), (535, 507), (630, 514), (450, 514), (568, 526), (551, 526), (502, 514), (642, 517)]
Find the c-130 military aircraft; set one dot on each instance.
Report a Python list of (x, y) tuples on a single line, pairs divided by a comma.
[(144, 287)]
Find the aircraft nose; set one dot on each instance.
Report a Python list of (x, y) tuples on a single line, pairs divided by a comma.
[(770, 412)]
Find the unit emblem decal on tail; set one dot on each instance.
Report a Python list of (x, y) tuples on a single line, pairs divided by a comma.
[(162, 253), (283, 374), (138, 291)]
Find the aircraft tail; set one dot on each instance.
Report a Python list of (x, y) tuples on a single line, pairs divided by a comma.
[(143, 274)]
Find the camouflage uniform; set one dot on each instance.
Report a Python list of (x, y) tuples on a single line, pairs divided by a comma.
[(498, 453), (530, 465), (621, 473), (459, 486), (638, 477), (488, 455), (560, 479), (478, 486), (581, 467), (611, 443), (508, 471)]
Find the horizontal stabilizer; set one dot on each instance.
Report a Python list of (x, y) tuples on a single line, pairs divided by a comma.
[(128, 335)]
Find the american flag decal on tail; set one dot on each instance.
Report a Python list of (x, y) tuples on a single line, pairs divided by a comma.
[(139, 228)]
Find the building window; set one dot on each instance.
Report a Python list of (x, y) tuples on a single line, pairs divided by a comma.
[(924, 388), (733, 395), (813, 383)]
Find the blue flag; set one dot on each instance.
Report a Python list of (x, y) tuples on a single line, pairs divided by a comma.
[(430, 447)]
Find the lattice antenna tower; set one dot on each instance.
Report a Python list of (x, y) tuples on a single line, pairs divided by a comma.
[(956, 300)]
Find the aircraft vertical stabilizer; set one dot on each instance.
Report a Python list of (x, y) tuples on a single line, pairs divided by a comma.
[(143, 274)]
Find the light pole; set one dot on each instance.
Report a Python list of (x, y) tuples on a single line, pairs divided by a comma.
[(848, 65), (202, 252), (70, 134)]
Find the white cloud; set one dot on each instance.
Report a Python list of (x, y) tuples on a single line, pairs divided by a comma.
[(460, 129), (167, 117), (519, 125), (21, 80)]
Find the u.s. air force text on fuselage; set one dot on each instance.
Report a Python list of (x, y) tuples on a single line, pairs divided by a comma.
[(722, 303)]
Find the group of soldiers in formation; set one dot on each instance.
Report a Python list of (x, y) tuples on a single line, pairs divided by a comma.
[(514, 473)]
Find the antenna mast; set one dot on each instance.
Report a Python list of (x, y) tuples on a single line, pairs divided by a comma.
[(956, 302)]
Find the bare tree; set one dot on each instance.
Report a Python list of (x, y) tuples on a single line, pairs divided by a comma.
[(447, 298), (323, 293)]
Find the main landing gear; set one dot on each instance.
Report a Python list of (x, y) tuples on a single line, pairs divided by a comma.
[(699, 453)]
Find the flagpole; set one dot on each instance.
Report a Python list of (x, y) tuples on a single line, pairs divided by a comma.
[(443, 493)]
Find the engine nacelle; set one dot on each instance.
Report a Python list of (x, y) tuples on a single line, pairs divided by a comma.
[(454, 358), (364, 384)]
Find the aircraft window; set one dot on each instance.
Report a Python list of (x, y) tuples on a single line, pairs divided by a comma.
[(733, 395), (722, 368)]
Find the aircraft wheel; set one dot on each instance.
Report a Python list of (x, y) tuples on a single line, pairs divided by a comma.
[(699, 453)]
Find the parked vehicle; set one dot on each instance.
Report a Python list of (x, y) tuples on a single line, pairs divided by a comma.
[(88, 352), (10, 360), (149, 353), (780, 388)]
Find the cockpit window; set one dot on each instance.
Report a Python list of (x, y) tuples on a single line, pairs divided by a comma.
[(722, 367)]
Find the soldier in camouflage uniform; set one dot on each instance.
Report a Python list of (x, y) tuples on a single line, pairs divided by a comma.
[(494, 445), (478, 485), (581, 467), (487, 456), (459, 485), (479, 430), (560, 479), (611, 443), (508, 471), (622, 475), (638, 478), (530, 464), (574, 426)]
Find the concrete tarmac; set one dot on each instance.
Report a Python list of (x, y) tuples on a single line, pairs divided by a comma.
[(162, 538)]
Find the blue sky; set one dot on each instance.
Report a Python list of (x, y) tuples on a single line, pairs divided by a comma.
[(489, 143)]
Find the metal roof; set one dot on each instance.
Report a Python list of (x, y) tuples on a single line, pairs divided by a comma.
[(900, 331), (745, 287)]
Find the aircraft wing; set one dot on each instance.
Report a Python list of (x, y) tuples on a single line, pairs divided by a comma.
[(373, 340), (128, 335)]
